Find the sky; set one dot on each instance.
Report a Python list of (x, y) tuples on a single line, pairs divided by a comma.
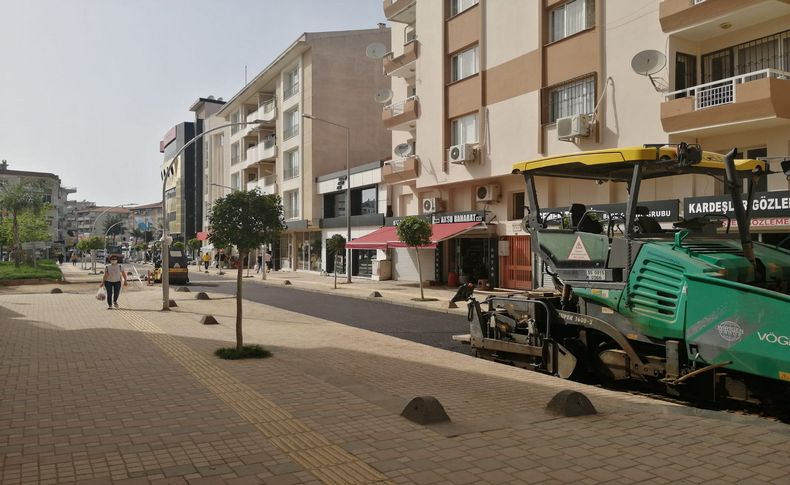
[(89, 87)]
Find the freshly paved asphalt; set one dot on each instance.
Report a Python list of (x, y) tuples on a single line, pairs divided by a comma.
[(423, 326)]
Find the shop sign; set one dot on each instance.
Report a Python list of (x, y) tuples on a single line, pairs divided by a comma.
[(766, 222), (764, 204), (453, 217), (660, 210)]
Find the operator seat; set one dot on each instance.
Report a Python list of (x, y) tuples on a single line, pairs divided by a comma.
[(645, 223), (582, 221)]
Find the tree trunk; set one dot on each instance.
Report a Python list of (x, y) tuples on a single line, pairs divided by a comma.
[(17, 251), (239, 273), (419, 271)]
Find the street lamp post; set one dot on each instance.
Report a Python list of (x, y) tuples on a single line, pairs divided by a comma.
[(93, 229), (165, 238), (348, 188)]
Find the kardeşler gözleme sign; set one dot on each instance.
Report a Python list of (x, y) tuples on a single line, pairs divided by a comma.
[(764, 204)]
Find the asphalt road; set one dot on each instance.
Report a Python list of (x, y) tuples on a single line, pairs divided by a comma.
[(423, 326)]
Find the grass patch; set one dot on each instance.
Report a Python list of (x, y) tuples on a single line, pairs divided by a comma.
[(247, 352), (46, 270)]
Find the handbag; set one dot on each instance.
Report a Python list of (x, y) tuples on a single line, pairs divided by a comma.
[(101, 294)]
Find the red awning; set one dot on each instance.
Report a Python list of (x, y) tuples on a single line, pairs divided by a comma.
[(387, 237), (202, 236), (375, 240), (440, 233)]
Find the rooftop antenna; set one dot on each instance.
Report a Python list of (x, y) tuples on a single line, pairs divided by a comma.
[(649, 62), (245, 74)]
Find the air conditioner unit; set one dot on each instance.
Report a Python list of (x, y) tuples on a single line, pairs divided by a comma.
[(488, 193), (432, 204), (461, 154), (573, 126)]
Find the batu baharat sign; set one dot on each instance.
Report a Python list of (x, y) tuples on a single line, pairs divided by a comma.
[(764, 204)]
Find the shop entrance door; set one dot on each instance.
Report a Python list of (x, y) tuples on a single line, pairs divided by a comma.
[(516, 267)]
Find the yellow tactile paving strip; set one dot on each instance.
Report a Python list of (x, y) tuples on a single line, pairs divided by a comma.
[(329, 463)]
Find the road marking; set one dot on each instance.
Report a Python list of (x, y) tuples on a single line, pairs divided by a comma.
[(329, 463)]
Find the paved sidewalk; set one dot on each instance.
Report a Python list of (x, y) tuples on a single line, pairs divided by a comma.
[(136, 396)]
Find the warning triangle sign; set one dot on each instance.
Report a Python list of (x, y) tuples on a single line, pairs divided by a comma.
[(578, 251)]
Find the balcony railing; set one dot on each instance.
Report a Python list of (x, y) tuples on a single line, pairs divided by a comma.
[(400, 169), (722, 92), (268, 110), (402, 65), (269, 141), (400, 114), (399, 107)]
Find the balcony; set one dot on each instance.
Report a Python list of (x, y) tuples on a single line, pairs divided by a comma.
[(404, 64), (700, 20), (403, 11), (760, 98), (267, 185), (264, 151), (399, 170), (268, 111), (401, 115)]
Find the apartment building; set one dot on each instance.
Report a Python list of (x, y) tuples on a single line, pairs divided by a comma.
[(183, 185), (211, 155), (56, 195), (93, 220), (479, 85), (328, 76)]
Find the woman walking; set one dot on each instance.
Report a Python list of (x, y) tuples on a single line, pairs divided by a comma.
[(113, 276)]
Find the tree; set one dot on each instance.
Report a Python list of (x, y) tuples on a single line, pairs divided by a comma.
[(415, 232), (137, 234), (18, 198), (92, 244), (246, 220), (114, 226), (178, 245), (334, 246), (194, 244)]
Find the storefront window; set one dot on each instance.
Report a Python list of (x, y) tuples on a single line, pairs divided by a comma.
[(308, 245), (368, 205), (363, 262)]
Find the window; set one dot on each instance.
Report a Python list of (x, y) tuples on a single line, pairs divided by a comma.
[(464, 130), (290, 83), (771, 52), (464, 64), (518, 206), (291, 204), (368, 201), (234, 153), (291, 166), (291, 123), (570, 18), (458, 6), (235, 118), (234, 181), (685, 72), (335, 205), (570, 99)]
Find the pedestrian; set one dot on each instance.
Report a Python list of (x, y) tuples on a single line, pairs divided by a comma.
[(216, 260), (73, 258), (268, 260), (206, 260), (259, 264), (113, 277), (60, 259)]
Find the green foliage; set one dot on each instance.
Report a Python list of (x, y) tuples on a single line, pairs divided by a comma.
[(94, 242), (246, 220), (178, 245), (16, 199), (414, 231), (44, 269), (247, 352), (137, 234), (31, 227), (194, 244), (82, 245), (114, 226), (335, 244)]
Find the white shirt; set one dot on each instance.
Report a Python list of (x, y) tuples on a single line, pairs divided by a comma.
[(112, 273)]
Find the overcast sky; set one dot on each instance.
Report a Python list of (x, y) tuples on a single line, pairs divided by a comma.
[(90, 86)]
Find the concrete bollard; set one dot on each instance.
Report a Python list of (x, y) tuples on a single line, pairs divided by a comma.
[(425, 410), (287, 282), (209, 320), (183, 289), (201, 296), (375, 294), (55, 290), (570, 404), (172, 303)]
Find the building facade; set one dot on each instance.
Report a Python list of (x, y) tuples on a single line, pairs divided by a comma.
[(55, 195), (183, 217), (328, 76), (479, 85), (146, 218)]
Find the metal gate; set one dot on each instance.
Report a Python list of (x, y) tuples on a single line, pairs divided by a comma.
[(516, 266)]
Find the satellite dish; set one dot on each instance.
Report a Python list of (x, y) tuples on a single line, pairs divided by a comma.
[(376, 50), (404, 150), (648, 62), (383, 95)]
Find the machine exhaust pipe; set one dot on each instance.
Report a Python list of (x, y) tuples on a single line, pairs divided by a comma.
[(740, 213)]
